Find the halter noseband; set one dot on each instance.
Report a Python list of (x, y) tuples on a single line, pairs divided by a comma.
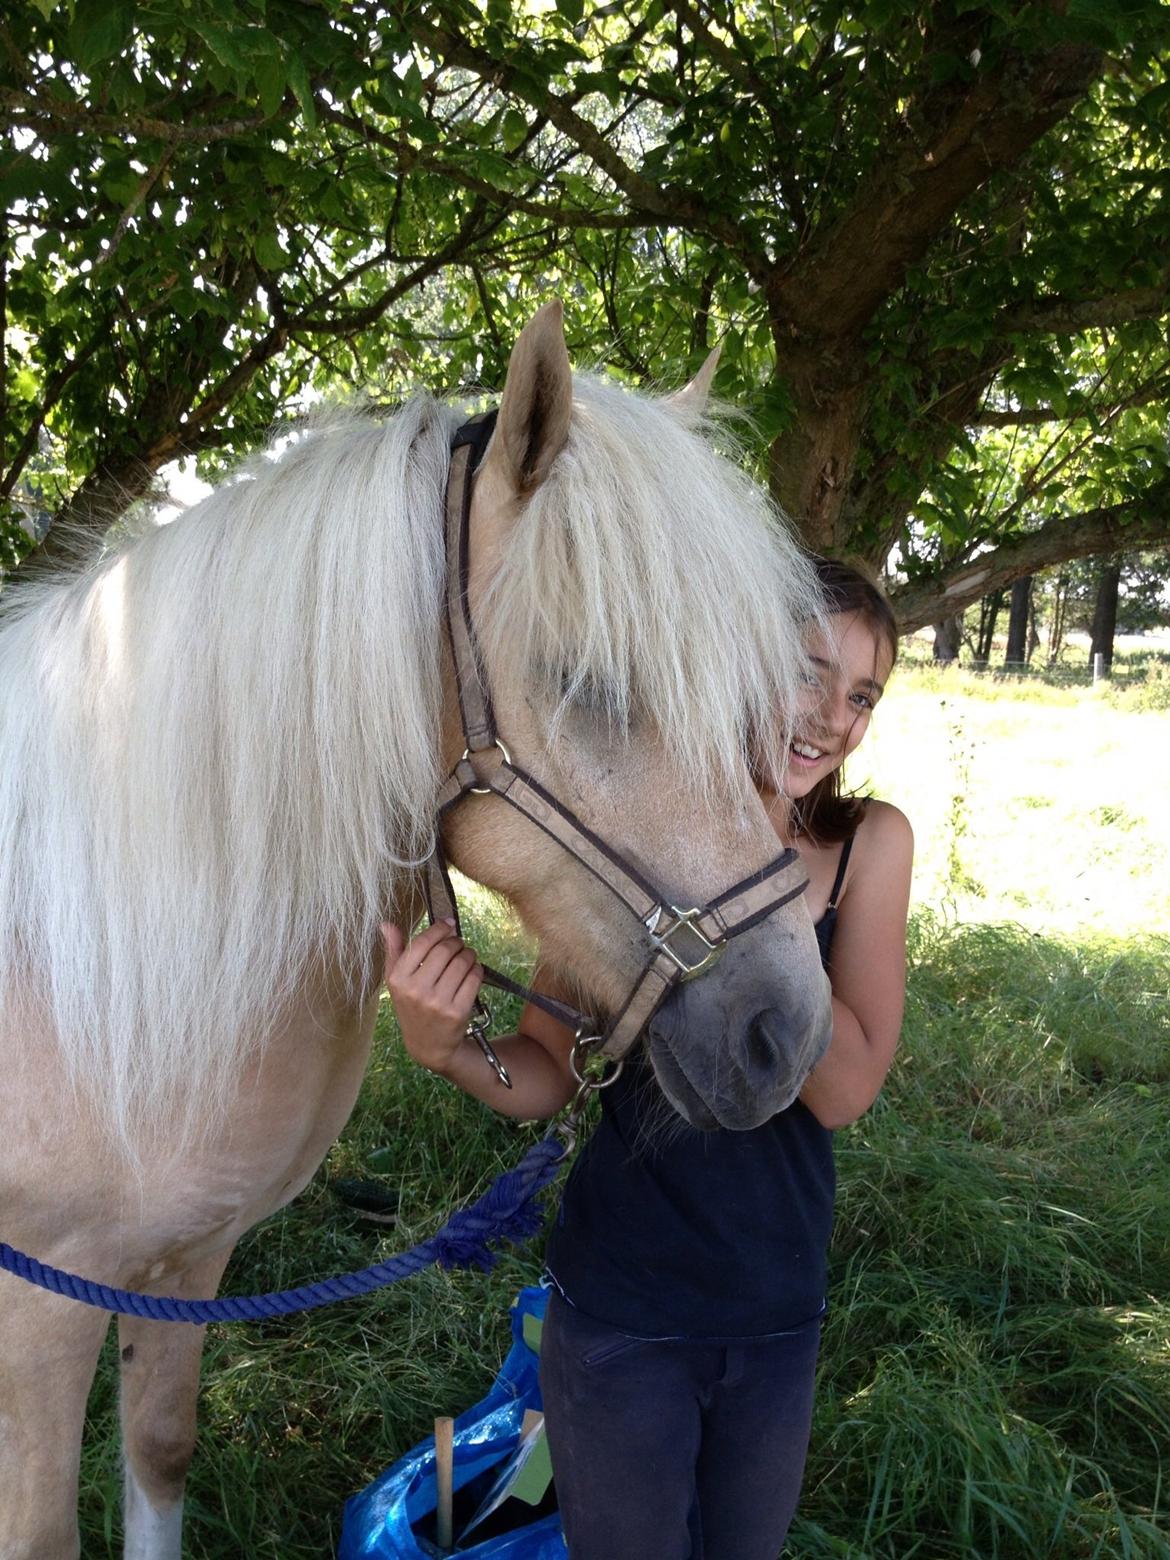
[(684, 943)]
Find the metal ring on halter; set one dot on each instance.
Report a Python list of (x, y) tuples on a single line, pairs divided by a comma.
[(663, 922), (566, 1126), (579, 1057), (485, 790)]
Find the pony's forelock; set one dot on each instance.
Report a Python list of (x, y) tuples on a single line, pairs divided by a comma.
[(649, 575)]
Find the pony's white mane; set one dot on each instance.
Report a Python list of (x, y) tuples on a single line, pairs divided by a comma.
[(220, 744), (649, 576), (219, 747)]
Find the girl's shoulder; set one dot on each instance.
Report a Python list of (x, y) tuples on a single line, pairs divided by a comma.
[(883, 823), (883, 843)]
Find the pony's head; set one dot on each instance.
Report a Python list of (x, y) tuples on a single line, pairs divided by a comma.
[(640, 613)]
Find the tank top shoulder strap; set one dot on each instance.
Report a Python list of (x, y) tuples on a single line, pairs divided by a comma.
[(839, 880)]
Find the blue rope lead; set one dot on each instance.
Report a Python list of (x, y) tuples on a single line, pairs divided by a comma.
[(508, 1210)]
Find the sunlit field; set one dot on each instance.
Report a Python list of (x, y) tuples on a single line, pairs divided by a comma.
[(995, 1376), (1035, 802)]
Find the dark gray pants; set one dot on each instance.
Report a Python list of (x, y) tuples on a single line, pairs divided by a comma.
[(675, 1449)]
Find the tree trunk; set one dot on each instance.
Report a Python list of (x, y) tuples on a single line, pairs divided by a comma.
[(75, 533), (1033, 628), (1056, 625), (948, 635), (811, 462), (989, 609), (1105, 614), (1016, 655)]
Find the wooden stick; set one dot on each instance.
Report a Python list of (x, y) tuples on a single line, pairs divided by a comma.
[(444, 1478)]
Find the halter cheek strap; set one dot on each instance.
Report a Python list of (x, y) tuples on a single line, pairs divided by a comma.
[(468, 447), (682, 944)]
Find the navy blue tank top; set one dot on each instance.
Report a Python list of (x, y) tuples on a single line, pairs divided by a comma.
[(667, 1231)]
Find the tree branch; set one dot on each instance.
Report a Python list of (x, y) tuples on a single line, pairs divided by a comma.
[(21, 109), (149, 179), (411, 157), (1137, 523), (667, 203), (54, 388), (844, 273), (1059, 315), (118, 483), (1156, 389)]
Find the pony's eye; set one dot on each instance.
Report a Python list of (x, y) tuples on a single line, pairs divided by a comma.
[(586, 693), (604, 707)]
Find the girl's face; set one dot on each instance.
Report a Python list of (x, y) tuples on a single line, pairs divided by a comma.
[(851, 663)]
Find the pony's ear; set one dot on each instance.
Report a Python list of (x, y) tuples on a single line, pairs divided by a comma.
[(538, 400), (691, 401)]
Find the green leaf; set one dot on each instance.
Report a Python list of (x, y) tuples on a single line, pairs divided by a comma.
[(224, 45), (298, 80), (513, 129), (271, 82), (99, 30), (269, 252)]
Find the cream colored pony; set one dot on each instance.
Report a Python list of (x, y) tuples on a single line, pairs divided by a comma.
[(220, 751)]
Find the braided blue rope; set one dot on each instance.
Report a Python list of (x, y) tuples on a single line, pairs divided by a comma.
[(508, 1210)]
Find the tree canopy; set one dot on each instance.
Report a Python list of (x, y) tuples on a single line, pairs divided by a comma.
[(933, 240)]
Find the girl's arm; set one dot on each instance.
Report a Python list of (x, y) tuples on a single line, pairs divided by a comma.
[(867, 971), (434, 982)]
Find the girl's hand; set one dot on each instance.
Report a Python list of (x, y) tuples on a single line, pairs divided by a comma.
[(434, 982)]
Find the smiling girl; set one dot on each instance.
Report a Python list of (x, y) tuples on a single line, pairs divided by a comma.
[(689, 1267), (858, 851)]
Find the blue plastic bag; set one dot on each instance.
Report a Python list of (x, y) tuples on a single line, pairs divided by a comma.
[(382, 1521)]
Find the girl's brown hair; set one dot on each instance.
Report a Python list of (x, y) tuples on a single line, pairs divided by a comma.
[(828, 813)]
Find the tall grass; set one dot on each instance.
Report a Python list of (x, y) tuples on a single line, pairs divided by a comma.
[(996, 1376), (1139, 678)]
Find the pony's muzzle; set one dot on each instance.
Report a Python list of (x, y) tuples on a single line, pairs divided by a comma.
[(723, 1060)]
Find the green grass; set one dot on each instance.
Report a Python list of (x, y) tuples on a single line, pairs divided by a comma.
[(995, 1377), (1139, 680)]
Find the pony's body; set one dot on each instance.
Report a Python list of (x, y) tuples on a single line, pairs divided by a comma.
[(168, 1229), (221, 749)]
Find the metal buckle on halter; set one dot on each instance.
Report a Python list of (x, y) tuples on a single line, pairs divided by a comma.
[(485, 790), (686, 921)]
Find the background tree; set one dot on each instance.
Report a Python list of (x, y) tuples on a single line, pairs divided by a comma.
[(1019, 614), (989, 610), (1104, 626), (1131, 589), (911, 227)]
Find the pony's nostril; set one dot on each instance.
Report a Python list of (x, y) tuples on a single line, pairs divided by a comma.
[(761, 1052)]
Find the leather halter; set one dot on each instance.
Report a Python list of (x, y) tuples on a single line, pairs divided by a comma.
[(683, 943)]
